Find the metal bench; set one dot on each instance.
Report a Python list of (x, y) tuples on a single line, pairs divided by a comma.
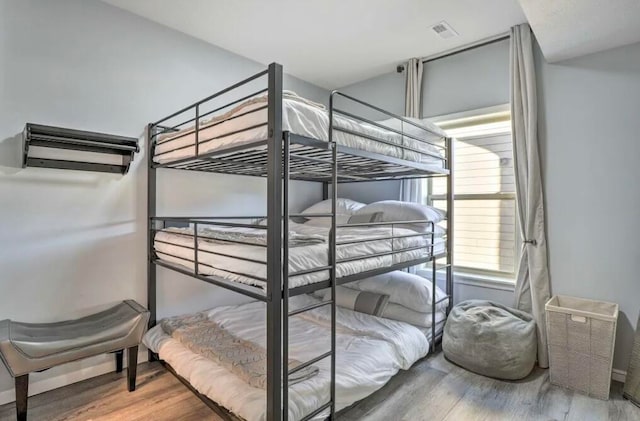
[(27, 347)]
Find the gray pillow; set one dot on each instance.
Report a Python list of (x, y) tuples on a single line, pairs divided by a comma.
[(365, 217), (360, 301), (491, 339)]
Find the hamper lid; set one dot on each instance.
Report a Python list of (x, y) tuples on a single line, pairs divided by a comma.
[(583, 307)]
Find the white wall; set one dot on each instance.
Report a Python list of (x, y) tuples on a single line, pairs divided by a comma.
[(386, 91), (74, 242), (589, 132), (471, 80)]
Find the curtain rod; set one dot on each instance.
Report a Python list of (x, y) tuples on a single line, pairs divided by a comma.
[(468, 47), (462, 49)]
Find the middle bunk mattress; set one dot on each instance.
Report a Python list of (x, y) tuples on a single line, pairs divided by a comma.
[(240, 254)]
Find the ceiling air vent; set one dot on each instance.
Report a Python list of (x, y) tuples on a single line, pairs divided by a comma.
[(444, 30)]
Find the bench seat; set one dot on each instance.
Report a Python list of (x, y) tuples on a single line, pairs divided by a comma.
[(31, 347)]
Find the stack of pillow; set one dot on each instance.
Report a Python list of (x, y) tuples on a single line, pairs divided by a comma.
[(345, 209), (351, 212), (395, 295)]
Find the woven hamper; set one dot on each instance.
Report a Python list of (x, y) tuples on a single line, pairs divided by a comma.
[(581, 336)]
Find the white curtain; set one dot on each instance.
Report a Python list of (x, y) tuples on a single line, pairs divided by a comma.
[(532, 285), (411, 190)]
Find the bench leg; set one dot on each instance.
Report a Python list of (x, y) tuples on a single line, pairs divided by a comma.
[(22, 393), (119, 360), (132, 366)]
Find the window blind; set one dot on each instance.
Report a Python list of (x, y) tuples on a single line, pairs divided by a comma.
[(485, 234)]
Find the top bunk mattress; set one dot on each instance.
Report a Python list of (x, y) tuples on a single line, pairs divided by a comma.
[(247, 123)]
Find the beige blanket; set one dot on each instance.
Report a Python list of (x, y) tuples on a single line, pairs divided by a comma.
[(245, 359)]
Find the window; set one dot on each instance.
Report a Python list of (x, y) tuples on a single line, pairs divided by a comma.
[(486, 233)]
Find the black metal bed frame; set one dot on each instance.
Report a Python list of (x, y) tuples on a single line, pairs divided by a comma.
[(282, 157)]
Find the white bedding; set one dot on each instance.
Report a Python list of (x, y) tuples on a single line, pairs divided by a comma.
[(370, 350), (299, 116), (173, 246)]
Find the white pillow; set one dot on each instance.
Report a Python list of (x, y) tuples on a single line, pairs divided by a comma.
[(343, 207), (397, 312), (395, 210), (407, 289), (364, 218)]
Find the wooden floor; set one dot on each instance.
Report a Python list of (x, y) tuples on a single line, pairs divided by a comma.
[(432, 390)]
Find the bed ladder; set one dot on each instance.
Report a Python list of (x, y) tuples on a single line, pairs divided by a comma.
[(289, 371), (332, 263), (329, 354)]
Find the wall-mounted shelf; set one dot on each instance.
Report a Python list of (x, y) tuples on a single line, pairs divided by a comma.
[(92, 147)]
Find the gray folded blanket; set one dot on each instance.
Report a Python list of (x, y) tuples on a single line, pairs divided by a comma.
[(245, 359)]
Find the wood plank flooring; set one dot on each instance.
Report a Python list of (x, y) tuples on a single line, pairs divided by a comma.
[(433, 390)]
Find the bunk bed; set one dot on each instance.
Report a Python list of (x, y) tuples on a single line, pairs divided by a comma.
[(274, 134)]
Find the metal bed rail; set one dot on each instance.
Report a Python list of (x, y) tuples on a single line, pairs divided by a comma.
[(419, 145), (182, 129), (196, 104)]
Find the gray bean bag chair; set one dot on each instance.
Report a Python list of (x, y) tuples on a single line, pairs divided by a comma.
[(491, 339)]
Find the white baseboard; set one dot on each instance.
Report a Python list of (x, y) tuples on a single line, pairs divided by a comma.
[(618, 375), (44, 385)]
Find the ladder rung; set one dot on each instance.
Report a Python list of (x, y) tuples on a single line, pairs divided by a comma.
[(309, 307), (317, 411), (308, 363)]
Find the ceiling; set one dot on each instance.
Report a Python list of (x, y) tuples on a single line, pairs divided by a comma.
[(572, 28), (331, 43)]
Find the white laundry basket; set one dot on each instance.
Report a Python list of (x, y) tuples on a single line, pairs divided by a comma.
[(581, 335)]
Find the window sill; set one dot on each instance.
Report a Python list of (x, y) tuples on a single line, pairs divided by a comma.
[(485, 281), (477, 280)]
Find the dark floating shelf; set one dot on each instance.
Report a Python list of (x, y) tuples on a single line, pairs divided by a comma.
[(77, 140)]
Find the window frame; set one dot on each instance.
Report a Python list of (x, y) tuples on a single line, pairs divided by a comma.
[(473, 116)]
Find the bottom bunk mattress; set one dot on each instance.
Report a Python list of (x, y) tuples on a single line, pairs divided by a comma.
[(370, 351)]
